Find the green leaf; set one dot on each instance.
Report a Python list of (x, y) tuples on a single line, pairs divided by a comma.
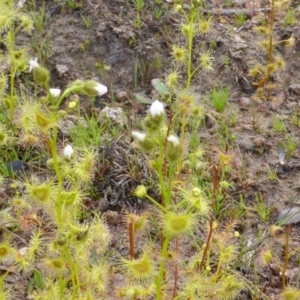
[(38, 279), (160, 87), (143, 99)]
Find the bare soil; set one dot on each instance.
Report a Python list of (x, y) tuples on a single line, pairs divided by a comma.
[(135, 56)]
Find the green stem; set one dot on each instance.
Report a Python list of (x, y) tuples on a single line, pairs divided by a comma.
[(159, 161), (156, 203), (59, 206), (160, 277), (74, 272), (286, 257), (270, 52), (170, 179), (12, 74), (190, 48), (66, 93), (61, 285)]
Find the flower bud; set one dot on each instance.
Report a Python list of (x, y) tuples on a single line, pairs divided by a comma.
[(196, 192), (178, 7), (61, 240), (148, 144), (41, 75), (44, 100), (78, 83), (61, 114), (92, 88), (72, 104), (174, 149), (140, 191), (50, 163), (167, 97), (151, 124)]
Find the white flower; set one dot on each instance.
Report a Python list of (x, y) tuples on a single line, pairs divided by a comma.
[(21, 3), (55, 92), (139, 135), (101, 89), (68, 151), (157, 109), (173, 139), (33, 63)]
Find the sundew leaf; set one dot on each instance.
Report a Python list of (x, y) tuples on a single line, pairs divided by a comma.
[(160, 87)]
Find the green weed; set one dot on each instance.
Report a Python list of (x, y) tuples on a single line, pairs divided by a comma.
[(261, 208), (240, 19), (278, 124), (290, 17), (219, 97)]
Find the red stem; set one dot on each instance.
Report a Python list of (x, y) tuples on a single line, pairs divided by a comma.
[(131, 239), (211, 220), (286, 258)]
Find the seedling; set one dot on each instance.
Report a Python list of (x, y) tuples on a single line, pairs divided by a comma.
[(295, 118), (273, 174), (261, 208), (278, 124), (138, 5), (219, 97), (87, 21), (290, 17), (240, 19)]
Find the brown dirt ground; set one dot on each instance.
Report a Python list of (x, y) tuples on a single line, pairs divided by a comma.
[(112, 40)]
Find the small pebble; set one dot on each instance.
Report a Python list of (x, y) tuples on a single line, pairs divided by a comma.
[(244, 101), (17, 167)]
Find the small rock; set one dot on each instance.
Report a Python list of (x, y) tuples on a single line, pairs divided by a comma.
[(294, 88), (115, 114), (275, 282), (101, 26), (275, 269), (292, 104), (17, 167), (245, 143), (112, 217), (259, 142), (61, 70), (209, 121), (244, 101), (103, 204), (69, 122), (216, 115), (121, 95)]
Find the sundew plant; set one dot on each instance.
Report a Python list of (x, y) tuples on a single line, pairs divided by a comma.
[(58, 255), (181, 237), (182, 209)]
